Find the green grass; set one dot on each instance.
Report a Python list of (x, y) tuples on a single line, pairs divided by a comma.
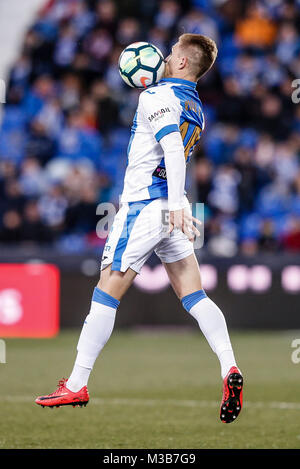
[(151, 390)]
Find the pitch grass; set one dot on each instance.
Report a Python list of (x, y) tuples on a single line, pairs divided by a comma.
[(151, 390)]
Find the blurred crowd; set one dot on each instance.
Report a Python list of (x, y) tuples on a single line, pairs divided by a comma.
[(66, 125)]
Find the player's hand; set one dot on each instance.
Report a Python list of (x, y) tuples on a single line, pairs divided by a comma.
[(183, 220)]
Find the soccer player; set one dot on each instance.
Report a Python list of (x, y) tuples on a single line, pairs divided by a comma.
[(166, 127)]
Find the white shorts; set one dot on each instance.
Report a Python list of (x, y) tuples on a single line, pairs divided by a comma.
[(139, 228)]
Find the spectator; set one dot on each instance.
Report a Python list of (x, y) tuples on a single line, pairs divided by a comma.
[(256, 29), (32, 179), (33, 230), (77, 142), (291, 241), (39, 145), (267, 240), (52, 207), (81, 216), (203, 176), (65, 129)]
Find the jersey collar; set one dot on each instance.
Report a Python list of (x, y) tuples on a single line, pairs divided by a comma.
[(181, 81)]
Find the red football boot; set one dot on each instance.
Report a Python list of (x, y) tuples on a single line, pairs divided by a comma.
[(232, 400), (63, 396)]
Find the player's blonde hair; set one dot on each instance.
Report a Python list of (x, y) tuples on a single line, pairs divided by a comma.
[(201, 52)]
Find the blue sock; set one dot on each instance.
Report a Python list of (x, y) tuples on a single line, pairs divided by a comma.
[(190, 300)]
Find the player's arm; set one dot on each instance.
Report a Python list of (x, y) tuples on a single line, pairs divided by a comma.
[(180, 215)]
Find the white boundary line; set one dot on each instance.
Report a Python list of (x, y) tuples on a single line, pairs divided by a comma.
[(164, 402)]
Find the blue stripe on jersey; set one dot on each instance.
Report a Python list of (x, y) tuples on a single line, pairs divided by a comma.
[(133, 130), (135, 209), (191, 110), (166, 130), (158, 188), (187, 95), (193, 84)]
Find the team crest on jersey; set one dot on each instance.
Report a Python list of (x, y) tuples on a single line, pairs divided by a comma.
[(158, 114)]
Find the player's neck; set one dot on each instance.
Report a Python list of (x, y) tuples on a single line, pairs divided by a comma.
[(182, 77)]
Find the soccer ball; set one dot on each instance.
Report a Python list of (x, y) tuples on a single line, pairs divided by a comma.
[(141, 65)]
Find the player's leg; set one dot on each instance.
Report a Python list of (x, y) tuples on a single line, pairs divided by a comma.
[(116, 283), (184, 275), (127, 248), (99, 323), (185, 278), (96, 331)]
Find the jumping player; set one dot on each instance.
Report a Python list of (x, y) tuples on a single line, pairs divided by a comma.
[(166, 127)]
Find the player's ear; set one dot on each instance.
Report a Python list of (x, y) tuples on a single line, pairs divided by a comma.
[(182, 62)]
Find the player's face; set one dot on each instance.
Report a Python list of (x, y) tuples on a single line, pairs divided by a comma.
[(172, 61)]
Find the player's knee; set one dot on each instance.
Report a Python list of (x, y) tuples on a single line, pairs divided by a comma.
[(104, 298), (111, 287), (190, 300), (115, 283)]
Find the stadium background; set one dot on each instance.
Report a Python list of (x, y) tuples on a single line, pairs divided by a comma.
[(64, 133)]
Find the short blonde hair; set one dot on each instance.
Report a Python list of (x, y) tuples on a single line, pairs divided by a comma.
[(202, 52)]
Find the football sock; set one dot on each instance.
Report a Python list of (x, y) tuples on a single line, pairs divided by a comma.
[(96, 331), (212, 323)]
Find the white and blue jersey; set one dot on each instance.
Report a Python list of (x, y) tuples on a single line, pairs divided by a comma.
[(139, 228), (172, 105)]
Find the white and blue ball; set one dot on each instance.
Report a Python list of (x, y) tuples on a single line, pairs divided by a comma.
[(141, 65)]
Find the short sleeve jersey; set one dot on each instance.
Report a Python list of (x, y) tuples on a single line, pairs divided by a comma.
[(173, 105)]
